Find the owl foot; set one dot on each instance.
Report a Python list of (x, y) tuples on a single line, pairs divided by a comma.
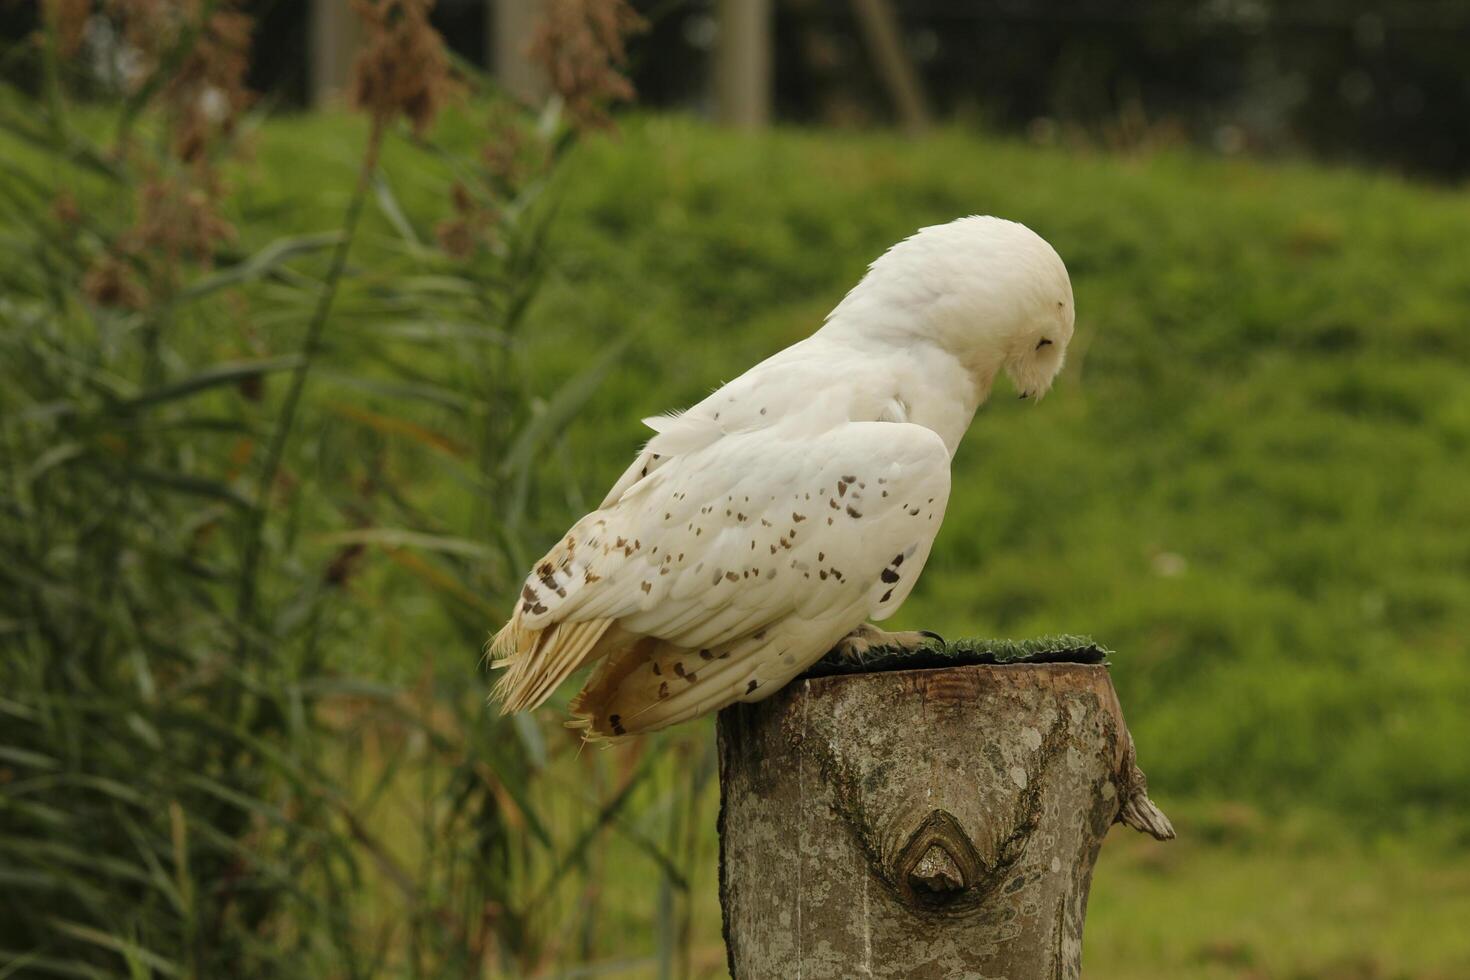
[(868, 640)]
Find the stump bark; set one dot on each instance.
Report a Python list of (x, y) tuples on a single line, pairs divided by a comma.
[(933, 823)]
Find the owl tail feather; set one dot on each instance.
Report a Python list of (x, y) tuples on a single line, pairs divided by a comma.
[(650, 684), (536, 661)]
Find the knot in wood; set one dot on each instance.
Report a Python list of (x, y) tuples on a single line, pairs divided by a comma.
[(938, 867), (937, 872)]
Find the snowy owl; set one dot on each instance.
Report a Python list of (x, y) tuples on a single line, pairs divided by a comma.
[(767, 524)]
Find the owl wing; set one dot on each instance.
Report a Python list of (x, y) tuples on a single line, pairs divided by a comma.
[(727, 570)]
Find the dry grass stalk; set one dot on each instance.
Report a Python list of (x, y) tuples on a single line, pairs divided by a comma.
[(582, 45), (68, 19), (403, 68)]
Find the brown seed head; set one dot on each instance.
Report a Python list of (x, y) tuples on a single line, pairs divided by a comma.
[(403, 68), (68, 18), (582, 46)]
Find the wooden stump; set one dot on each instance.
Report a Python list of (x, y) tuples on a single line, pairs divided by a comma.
[(922, 823)]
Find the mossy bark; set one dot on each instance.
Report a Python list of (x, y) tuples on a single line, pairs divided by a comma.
[(922, 823)]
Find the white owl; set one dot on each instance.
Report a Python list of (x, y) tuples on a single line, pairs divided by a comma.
[(766, 524)]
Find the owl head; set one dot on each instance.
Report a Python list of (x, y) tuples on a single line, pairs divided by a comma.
[(990, 292)]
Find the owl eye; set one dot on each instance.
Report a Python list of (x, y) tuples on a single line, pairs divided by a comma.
[(1042, 343)]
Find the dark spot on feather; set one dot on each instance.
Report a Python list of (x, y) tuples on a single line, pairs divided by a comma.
[(823, 574), (706, 655), (679, 668), (646, 586), (850, 479), (544, 568), (749, 688), (889, 576), (732, 576), (841, 489), (657, 670), (763, 411), (741, 518), (691, 677), (798, 518), (897, 560), (765, 523), (538, 609), (851, 512), (663, 689), (834, 504), (886, 596), (829, 522), (821, 556), (758, 635), (529, 594)]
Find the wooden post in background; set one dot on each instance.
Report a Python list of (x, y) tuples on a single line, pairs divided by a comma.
[(335, 33), (510, 24), (743, 63), (884, 38), (922, 823)]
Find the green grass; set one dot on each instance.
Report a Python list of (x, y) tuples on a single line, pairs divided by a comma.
[(1250, 482)]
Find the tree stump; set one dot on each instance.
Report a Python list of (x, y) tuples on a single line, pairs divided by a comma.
[(936, 822)]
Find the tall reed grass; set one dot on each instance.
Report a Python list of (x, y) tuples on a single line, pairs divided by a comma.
[(223, 460)]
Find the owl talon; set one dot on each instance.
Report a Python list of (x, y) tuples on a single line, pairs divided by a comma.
[(868, 640)]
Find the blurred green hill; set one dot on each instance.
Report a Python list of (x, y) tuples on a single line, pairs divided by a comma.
[(1252, 479)]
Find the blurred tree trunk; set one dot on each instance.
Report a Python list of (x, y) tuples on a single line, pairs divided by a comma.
[(922, 823), (884, 38), (335, 33), (743, 63), (511, 23)]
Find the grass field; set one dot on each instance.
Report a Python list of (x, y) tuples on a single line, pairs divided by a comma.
[(1251, 479), (1251, 482)]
